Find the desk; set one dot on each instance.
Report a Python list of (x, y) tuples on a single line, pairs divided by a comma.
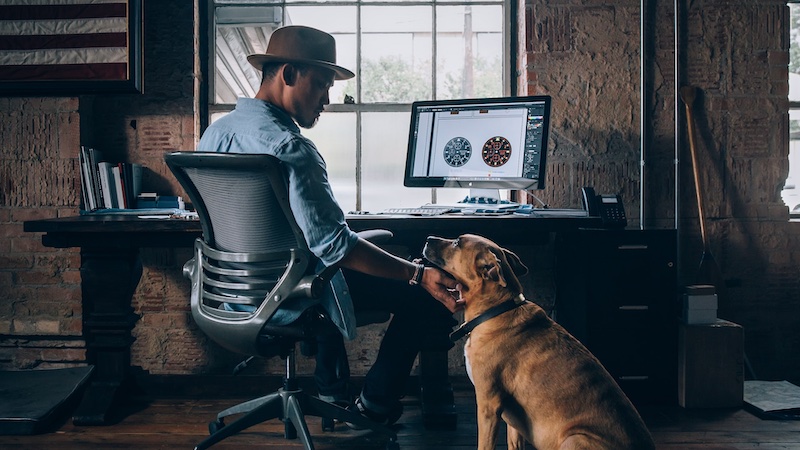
[(111, 269)]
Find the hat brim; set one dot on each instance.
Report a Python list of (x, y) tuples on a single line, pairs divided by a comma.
[(258, 62)]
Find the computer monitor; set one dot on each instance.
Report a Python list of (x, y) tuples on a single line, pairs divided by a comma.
[(490, 143)]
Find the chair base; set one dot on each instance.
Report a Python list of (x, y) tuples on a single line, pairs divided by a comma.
[(290, 406)]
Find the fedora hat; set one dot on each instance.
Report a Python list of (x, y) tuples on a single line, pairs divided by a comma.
[(302, 45)]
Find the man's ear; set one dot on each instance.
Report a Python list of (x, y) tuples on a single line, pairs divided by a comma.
[(289, 74)]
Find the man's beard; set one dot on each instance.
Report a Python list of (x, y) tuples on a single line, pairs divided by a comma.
[(306, 125)]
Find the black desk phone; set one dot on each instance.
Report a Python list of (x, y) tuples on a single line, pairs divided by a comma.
[(608, 207)]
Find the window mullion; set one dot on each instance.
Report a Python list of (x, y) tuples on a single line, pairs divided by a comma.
[(359, 183)]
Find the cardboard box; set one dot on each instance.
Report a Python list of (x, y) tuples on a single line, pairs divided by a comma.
[(711, 365), (699, 305), (699, 316)]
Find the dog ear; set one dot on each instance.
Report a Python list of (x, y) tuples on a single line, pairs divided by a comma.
[(517, 267), (490, 269)]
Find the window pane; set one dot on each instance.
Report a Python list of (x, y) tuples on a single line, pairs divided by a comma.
[(339, 21), (396, 54), (469, 51), (240, 31), (335, 138), (383, 155)]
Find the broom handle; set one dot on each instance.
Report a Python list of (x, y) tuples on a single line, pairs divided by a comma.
[(688, 96)]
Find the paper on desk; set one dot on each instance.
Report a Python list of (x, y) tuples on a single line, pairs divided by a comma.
[(772, 395)]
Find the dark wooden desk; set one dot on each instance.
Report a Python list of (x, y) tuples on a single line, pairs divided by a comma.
[(111, 269)]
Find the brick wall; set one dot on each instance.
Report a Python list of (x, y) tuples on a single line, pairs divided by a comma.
[(584, 54), (736, 53)]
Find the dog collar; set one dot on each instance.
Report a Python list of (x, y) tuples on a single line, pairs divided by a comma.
[(467, 327)]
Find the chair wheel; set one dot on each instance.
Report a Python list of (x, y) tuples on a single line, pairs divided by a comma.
[(215, 426), (392, 445), (328, 424)]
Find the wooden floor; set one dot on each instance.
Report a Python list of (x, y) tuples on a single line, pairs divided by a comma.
[(168, 417)]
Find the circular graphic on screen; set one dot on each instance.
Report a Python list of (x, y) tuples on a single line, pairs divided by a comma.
[(457, 151), (496, 151)]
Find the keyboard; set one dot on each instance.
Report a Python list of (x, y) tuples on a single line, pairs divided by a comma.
[(423, 211)]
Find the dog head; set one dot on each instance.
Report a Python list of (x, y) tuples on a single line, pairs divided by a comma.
[(482, 267)]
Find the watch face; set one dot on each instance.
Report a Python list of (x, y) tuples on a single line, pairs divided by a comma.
[(496, 151), (457, 151)]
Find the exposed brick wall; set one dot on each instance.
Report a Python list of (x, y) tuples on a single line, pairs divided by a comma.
[(736, 53), (584, 54)]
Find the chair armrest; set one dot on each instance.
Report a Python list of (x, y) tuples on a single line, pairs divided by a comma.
[(188, 268), (377, 236)]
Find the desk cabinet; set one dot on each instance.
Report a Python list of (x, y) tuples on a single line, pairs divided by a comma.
[(616, 292)]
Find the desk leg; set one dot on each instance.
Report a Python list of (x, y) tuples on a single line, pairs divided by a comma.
[(438, 403), (109, 277)]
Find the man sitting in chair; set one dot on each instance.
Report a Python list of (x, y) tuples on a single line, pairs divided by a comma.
[(298, 69)]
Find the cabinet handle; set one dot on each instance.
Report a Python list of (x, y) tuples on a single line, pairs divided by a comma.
[(633, 247), (634, 308), (634, 378)]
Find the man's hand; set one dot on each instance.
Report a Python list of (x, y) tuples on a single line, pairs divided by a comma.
[(443, 288)]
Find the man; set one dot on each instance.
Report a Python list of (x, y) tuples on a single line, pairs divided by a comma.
[(298, 69)]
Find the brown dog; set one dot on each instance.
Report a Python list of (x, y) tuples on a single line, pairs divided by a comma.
[(527, 369)]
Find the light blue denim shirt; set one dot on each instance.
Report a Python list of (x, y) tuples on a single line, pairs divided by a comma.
[(256, 126)]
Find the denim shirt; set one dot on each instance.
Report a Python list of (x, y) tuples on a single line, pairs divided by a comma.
[(256, 126)]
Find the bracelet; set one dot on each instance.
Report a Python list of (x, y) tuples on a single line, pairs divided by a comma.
[(417, 277)]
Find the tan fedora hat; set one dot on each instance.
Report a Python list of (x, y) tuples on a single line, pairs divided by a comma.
[(303, 45)]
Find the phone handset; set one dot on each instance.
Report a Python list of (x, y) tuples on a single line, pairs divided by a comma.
[(608, 207)]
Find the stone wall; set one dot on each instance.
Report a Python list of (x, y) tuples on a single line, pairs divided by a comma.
[(584, 54)]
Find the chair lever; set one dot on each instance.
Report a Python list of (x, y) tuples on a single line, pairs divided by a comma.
[(242, 365)]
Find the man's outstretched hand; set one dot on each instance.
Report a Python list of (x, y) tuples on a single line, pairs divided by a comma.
[(443, 288)]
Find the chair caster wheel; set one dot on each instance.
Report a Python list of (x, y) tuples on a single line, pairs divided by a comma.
[(328, 424), (215, 426), (392, 445)]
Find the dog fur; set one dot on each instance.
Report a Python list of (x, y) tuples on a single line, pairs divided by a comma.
[(546, 386)]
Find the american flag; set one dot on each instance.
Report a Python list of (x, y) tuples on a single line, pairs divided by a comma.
[(64, 40)]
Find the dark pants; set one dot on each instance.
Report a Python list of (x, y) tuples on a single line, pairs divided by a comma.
[(418, 322)]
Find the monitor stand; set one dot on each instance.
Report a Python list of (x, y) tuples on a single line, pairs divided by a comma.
[(480, 199)]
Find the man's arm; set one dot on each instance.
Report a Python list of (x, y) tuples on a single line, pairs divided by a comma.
[(370, 259)]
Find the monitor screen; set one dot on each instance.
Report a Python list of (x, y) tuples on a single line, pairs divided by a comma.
[(492, 143)]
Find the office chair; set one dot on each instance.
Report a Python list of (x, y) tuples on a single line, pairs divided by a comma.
[(253, 254)]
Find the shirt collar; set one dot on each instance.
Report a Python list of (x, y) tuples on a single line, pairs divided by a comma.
[(258, 105)]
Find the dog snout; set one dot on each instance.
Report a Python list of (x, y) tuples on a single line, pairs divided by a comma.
[(432, 249)]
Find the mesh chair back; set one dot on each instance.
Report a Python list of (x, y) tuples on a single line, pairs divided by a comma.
[(240, 199), (251, 250)]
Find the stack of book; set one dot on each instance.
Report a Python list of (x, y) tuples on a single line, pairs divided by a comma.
[(107, 185)]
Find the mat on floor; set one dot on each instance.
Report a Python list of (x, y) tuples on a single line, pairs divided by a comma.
[(32, 400), (772, 399)]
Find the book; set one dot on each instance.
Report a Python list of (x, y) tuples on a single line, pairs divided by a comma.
[(105, 184), (119, 187), (87, 187)]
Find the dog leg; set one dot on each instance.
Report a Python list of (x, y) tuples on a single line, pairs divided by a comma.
[(514, 439), (488, 422)]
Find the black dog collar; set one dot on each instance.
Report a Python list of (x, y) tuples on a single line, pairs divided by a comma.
[(467, 327)]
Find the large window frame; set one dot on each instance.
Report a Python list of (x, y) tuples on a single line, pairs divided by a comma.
[(207, 55), (791, 190)]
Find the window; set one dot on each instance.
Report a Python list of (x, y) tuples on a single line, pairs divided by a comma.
[(791, 190), (400, 50)]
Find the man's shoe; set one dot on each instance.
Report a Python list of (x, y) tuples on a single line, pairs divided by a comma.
[(382, 416)]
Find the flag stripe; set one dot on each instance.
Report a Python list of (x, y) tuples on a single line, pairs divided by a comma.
[(64, 56), (72, 26), (73, 11), (66, 72), (63, 41)]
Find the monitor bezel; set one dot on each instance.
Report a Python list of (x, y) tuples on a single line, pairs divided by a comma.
[(514, 183)]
